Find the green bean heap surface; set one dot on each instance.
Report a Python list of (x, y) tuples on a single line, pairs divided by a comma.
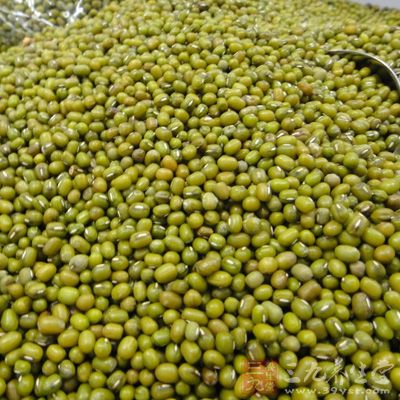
[(20, 19), (195, 192)]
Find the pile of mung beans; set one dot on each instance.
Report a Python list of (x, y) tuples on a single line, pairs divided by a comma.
[(20, 19), (194, 196)]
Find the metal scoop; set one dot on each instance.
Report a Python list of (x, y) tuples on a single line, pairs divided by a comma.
[(391, 72)]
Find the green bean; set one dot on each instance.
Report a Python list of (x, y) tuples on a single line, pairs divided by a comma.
[(10, 341), (192, 193)]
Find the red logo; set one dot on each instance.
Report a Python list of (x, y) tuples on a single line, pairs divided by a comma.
[(261, 376)]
